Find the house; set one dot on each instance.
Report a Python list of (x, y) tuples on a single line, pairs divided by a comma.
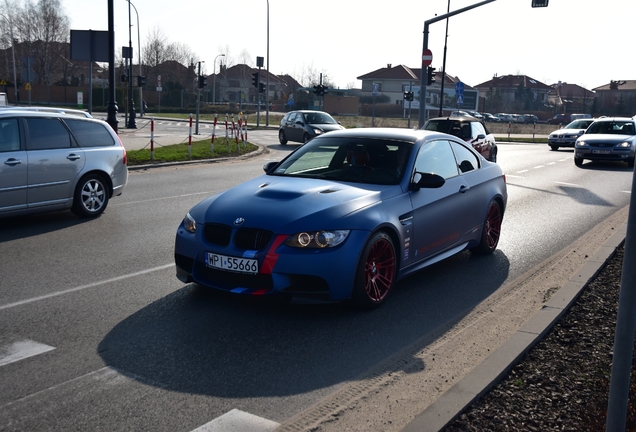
[(514, 93), (236, 84), (570, 98), (616, 98)]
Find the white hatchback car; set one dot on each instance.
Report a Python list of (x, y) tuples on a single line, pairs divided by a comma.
[(55, 161)]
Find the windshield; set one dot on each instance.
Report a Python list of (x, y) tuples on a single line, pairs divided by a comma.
[(616, 127), (319, 118), (350, 159), (579, 124)]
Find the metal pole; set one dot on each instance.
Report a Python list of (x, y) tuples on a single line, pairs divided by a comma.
[(131, 103), (112, 105), (214, 79), (196, 132), (141, 97), (625, 326), (441, 92), (267, 82)]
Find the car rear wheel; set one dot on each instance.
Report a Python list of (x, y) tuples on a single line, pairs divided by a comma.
[(491, 230), (554, 147), (281, 137), (578, 161), (376, 273), (91, 196)]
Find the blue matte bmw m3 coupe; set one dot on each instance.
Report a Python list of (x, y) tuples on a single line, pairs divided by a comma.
[(344, 217)]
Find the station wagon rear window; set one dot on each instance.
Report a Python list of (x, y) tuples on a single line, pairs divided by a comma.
[(90, 134)]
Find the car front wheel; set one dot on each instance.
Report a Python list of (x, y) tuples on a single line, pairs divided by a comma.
[(281, 137), (578, 161), (91, 196), (491, 230), (376, 272), (554, 147)]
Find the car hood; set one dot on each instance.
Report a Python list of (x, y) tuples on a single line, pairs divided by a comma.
[(287, 205), (567, 131), (607, 138)]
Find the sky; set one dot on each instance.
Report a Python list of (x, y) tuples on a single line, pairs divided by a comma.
[(582, 42)]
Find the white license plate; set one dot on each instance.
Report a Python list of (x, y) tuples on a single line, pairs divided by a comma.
[(601, 151), (223, 262)]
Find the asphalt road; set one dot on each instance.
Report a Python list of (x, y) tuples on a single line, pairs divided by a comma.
[(97, 333)]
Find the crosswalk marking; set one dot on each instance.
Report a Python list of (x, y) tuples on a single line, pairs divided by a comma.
[(238, 421), (20, 350)]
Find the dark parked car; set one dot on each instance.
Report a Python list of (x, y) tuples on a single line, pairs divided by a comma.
[(560, 119), (612, 139), (468, 128), (344, 217), (56, 161), (301, 126)]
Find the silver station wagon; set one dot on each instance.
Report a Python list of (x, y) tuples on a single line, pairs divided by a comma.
[(57, 161)]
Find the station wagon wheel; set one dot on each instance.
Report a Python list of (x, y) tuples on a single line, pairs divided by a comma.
[(491, 230), (376, 273), (91, 196), (281, 137)]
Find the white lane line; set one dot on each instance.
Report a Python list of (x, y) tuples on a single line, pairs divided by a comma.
[(568, 184), (83, 287), (238, 421), (20, 350), (513, 176), (540, 166), (552, 163), (522, 171)]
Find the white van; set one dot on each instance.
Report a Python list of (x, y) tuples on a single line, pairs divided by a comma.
[(3, 99)]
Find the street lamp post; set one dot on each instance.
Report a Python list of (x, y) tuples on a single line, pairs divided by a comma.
[(196, 132), (214, 79), (131, 103), (267, 80), (141, 97)]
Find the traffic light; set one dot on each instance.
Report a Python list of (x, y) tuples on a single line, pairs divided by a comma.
[(255, 79), (323, 90), (124, 78), (430, 73), (203, 81), (141, 81), (408, 96), (317, 89), (261, 88), (539, 3)]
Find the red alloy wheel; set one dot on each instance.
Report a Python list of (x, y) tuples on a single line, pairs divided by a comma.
[(493, 225), (379, 270)]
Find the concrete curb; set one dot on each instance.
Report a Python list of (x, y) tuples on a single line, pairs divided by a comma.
[(482, 378)]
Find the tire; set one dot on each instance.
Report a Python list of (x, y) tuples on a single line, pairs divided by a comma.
[(493, 155), (91, 196), (305, 137), (578, 161), (554, 147), (281, 137), (376, 273), (491, 230), (630, 163)]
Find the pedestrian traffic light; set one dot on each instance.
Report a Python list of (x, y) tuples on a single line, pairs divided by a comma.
[(255, 79), (203, 81), (141, 81), (408, 96), (430, 72), (261, 88), (539, 3)]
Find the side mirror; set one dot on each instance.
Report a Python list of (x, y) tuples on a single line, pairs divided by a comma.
[(481, 136), (269, 166), (427, 181)]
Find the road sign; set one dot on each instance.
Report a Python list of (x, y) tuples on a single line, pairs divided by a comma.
[(376, 89), (460, 99), (27, 86), (427, 57), (3, 82), (459, 87)]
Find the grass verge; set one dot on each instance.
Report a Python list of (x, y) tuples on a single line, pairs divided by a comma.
[(200, 150)]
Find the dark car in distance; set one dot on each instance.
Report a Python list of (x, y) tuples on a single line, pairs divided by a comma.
[(471, 130), (301, 126)]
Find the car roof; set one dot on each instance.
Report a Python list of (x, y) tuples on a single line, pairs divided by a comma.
[(458, 118), (78, 113), (45, 114), (398, 134)]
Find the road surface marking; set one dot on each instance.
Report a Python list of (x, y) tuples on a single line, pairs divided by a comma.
[(522, 171), (83, 287), (540, 166), (20, 350), (238, 421), (567, 184)]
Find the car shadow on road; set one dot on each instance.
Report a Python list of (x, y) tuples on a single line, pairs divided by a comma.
[(18, 227), (200, 341)]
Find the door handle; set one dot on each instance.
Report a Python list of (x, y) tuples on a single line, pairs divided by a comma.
[(73, 157), (463, 188), (12, 162)]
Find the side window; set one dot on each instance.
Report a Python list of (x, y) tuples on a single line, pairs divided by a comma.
[(292, 118), (478, 128), (436, 157), (90, 134), (466, 160), (47, 133), (9, 135)]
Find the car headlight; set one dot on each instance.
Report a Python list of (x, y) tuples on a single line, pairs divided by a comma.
[(318, 131), (625, 144), (317, 239), (189, 223), (580, 143)]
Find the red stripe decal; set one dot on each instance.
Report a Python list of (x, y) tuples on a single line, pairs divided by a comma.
[(270, 259)]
